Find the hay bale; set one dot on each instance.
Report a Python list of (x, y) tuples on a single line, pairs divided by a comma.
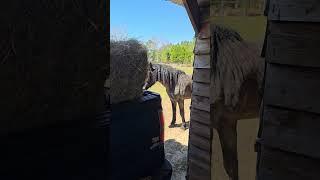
[(53, 62), (129, 67)]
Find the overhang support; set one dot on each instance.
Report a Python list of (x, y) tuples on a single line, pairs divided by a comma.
[(193, 11)]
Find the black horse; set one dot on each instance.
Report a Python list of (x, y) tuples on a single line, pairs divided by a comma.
[(178, 86), (237, 73)]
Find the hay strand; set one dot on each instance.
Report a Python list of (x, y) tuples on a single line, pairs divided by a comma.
[(129, 67)]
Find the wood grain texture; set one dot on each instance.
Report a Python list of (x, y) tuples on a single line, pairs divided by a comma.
[(293, 87), (280, 165), (199, 166), (294, 10), (294, 44), (200, 89), (292, 131), (201, 75), (201, 62), (201, 103), (300, 29), (204, 31), (200, 142), (202, 47), (200, 115), (203, 3), (199, 154), (197, 172), (205, 15), (200, 129)]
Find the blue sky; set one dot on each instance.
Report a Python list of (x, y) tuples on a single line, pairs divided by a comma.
[(147, 19)]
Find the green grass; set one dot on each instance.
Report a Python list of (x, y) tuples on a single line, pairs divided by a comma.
[(158, 88), (251, 28), (187, 69)]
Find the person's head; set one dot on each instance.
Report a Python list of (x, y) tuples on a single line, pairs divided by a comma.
[(151, 78)]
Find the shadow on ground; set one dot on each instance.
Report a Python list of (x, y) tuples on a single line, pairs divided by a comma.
[(176, 153), (180, 125)]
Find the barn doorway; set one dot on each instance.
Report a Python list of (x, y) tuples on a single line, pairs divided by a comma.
[(247, 19)]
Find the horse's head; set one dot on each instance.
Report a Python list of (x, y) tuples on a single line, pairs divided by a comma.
[(151, 78)]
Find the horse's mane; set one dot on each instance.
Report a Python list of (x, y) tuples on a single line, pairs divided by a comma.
[(174, 79), (233, 62)]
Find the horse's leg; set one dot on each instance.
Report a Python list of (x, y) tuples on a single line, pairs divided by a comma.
[(174, 105), (181, 108), (228, 139)]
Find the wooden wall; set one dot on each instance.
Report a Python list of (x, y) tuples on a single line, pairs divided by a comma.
[(200, 134), (290, 129)]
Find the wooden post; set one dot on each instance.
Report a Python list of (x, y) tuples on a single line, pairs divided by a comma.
[(193, 11)]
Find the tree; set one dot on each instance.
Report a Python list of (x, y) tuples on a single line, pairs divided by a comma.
[(152, 45), (181, 53)]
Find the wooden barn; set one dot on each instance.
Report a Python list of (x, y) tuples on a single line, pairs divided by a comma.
[(290, 120), (286, 143)]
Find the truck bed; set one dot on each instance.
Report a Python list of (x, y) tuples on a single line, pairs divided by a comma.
[(136, 149)]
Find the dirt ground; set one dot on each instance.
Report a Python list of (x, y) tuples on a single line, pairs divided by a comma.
[(176, 141)]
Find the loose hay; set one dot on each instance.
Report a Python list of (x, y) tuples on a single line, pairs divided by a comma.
[(52, 62), (129, 67)]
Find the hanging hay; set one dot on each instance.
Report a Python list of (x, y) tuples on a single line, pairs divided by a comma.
[(52, 62), (129, 67)]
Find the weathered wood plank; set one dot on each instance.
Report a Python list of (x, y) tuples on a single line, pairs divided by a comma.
[(301, 29), (200, 116), (198, 170), (293, 51), (205, 15), (294, 10), (193, 11), (201, 62), (294, 44), (292, 131), (202, 47), (199, 154), (201, 75), (201, 103), (279, 165), (203, 3), (200, 89), (199, 164), (195, 173), (200, 129), (204, 31), (200, 142), (291, 87)]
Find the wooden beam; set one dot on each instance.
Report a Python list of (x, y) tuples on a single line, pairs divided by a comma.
[(193, 11)]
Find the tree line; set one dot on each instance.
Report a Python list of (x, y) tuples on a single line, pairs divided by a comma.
[(180, 53)]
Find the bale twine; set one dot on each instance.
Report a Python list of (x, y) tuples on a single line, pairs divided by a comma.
[(129, 67)]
